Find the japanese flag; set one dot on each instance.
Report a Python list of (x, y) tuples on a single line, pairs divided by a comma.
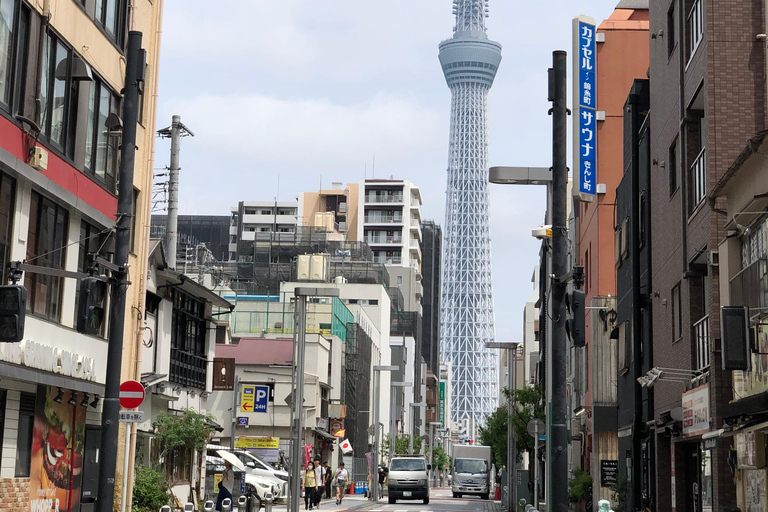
[(345, 446)]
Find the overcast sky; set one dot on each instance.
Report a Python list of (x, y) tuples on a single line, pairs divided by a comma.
[(310, 91)]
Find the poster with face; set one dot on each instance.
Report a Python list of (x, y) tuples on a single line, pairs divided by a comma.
[(57, 452)]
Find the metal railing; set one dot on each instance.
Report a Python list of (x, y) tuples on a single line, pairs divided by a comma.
[(698, 173), (750, 286), (384, 239), (701, 338), (383, 219), (387, 198), (694, 28), (390, 260)]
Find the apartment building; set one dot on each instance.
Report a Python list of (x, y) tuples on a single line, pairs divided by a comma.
[(708, 86), (258, 220), (61, 76)]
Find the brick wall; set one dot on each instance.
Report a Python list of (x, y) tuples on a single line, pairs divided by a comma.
[(14, 494)]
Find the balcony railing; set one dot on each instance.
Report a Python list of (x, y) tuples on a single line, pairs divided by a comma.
[(694, 28), (698, 173), (390, 260), (188, 369), (701, 338), (750, 286), (384, 199), (383, 219), (384, 239)]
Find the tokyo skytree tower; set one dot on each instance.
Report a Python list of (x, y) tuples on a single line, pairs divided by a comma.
[(470, 61)]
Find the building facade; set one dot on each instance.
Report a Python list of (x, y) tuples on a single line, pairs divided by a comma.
[(61, 78)]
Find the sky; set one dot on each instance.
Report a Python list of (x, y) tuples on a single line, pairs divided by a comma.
[(285, 96)]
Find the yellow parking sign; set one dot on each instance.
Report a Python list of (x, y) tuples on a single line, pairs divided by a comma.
[(247, 398)]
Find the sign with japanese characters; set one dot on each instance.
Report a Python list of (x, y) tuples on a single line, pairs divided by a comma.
[(585, 108), (696, 411)]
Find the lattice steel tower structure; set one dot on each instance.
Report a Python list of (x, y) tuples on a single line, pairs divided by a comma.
[(470, 61)]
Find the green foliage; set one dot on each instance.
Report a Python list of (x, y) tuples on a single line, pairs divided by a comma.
[(619, 492), (149, 490), (186, 431), (494, 434), (401, 445), (579, 486), (439, 458)]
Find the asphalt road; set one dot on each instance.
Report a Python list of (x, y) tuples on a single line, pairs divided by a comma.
[(440, 501)]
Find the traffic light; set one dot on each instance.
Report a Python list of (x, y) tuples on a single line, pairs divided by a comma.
[(90, 308), (13, 309), (575, 324)]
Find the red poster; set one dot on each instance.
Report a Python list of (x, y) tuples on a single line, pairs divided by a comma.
[(57, 452)]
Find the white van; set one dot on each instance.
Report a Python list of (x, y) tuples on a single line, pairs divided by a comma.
[(408, 478)]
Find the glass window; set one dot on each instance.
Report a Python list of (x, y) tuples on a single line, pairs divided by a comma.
[(188, 334), (46, 241), (59, 95), (93, 240), (111, 15), (14, 32), (677, 313), (24, 436), (101, 148), (7, 196)]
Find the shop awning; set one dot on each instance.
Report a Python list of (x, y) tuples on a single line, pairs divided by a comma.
[(323, 434), (23, 373)]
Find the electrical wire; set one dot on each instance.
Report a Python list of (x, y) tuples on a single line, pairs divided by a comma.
[(71, 243)]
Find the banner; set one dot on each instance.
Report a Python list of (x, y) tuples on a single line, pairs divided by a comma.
[(57, 451), (441, 406), (585, 108)]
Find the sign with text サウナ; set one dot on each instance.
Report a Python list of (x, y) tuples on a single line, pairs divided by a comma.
[(585, 108)]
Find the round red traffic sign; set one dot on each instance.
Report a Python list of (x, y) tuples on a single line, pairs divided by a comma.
[(131, 394)]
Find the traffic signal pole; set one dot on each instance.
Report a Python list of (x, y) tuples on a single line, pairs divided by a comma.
[(110, 414), (558, 431)]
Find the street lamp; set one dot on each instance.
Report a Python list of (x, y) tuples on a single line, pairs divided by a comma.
[(511, 348), (377, 369), (392, 418), (412, 434), (297, 381)]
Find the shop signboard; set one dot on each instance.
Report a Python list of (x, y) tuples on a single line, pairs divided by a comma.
[(750, 450), (57, 451), (257, 442), (755, 491), (756, 381), (696, 411), (585, 103), (441, 405), (609, 472)]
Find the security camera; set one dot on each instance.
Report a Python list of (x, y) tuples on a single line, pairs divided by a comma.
[(542, 232)]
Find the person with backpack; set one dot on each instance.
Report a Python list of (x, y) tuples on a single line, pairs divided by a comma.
[(309, 486), (340, 479)]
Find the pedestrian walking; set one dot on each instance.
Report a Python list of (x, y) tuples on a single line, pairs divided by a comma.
[(341, 482), (309, 486), (319, 475), (327, 478), (226, 485)]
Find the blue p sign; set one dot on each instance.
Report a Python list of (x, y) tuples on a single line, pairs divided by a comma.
[(261, 399)]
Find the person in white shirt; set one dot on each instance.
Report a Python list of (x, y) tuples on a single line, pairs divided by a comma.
[(226, 485), (341, 482)]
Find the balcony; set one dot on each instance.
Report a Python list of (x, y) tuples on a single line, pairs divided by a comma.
[(694, 28), (342, 207), (701, 339), (388, 260), (698, 180), (383, 239), (384, 198), (383, 219), (750, 286)]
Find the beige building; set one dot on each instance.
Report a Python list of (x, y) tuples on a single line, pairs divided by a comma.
[(60, 129)]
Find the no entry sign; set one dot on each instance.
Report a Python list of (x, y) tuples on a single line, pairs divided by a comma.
[(131, 394)]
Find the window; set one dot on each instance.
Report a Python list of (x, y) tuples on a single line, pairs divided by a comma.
[(399, 279), (697, 172), (58, 95), (617, 246), (670, 35), (188, 334), (7, 196), (111, 16), (92, 241), (642, 219), (677, 313), (24, 435), (46, 246), (694, 27), (101, 148), (673, 167), (625, 238), (373, 302), (14, 40), (624, 347)]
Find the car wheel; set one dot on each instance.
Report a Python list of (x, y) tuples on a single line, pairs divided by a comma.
[(392, 500), (484, 497), (455, 495), (426, 501)]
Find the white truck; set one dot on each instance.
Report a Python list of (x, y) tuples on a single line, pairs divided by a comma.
[(471, 472)]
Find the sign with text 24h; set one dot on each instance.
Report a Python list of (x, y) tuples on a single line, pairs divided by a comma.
[(585, 103), (254, 399)]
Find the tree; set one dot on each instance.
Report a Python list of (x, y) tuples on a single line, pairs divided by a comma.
[(149, 490), (494, 434), (402, 444), (529, 404), (579, 486), (180, 436), (439, 458)]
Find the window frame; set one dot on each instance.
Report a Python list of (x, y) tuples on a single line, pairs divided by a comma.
[(91, 235), (12, 98), (188, 339), (30, 416), (71, 95), (673, 167), (677, 312), (112, 157), (5, 245)]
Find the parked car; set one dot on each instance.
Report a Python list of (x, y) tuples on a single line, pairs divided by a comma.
[(257, 467), (254, 485), (408, 478)]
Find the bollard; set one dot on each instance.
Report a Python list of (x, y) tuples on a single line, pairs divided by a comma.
[(268, 497), (208, 506), (165, 508), (226, 505), (189, 507), (521, 505), (529, 508), (242, 501)]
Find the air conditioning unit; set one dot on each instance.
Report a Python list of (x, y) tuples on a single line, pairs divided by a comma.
[(38, 158), (713, 258), (302, 267)]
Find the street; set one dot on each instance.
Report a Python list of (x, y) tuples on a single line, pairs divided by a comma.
[(440, 501)]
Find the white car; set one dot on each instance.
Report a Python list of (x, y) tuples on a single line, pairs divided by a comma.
[(256, 467)]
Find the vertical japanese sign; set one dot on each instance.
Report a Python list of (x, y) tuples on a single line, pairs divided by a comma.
[(585, 109), (441, 405)]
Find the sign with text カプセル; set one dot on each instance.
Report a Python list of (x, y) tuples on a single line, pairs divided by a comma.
[(254, 398), (585, 108)]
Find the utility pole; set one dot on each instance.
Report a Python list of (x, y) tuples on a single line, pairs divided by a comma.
[(557, 439), (135, 66), (176, 131)]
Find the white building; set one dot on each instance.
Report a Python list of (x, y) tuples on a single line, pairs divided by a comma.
[(252, 217)]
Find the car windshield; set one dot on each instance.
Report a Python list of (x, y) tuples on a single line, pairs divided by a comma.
[(407, 465), (470, 466), (260, 464)]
